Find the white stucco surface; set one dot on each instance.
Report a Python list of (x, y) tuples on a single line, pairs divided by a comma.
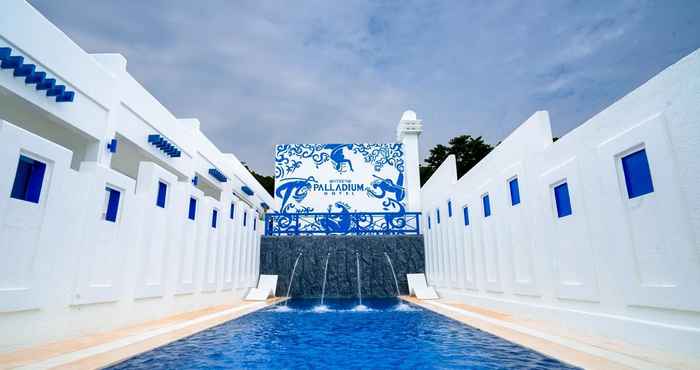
[(620, 267), (65, 270)]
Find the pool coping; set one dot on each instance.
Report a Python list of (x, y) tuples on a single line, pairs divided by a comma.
[(572, 348), (106, 349)]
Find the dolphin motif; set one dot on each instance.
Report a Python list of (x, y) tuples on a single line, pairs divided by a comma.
[(294, 187)]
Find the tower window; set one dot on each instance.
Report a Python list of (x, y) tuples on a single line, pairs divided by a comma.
[(487, 205), (514, 191), (113, 196), (162, 192), (637, 174), (562, 200), (29, 179), (192, 211)]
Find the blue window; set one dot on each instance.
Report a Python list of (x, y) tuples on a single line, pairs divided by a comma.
[(28, 180), (214, 215), (487, 205), (192, 211), (429, 222), (113, 196), (465, 210), (449, 208), (514, 191), (561, 197), (162, 191), (637, 174), (437, 215), (245, 217), (232, 211)]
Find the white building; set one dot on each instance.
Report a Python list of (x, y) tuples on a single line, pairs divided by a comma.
[(96, 220), (597, 231), (102, 223)]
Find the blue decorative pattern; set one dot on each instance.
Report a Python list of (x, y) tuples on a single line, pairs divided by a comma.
[(33, 76), (289, 157), (164, 145), (342, 223), (215, 173), (247, 190)]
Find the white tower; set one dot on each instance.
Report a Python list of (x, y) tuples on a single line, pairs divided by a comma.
[(407, 133)]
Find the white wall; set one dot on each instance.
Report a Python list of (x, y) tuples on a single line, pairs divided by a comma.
[(66, 271), (619, 267)]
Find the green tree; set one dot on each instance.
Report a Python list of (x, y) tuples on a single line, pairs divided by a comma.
[(267, 182), (468, 151)]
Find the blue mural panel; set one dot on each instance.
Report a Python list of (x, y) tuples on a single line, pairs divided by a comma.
[(335, 182)]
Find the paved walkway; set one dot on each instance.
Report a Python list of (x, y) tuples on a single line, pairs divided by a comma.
[(580, 350), (105, 349)]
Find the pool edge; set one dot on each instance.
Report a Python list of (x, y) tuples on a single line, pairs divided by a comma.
[(565, 349)]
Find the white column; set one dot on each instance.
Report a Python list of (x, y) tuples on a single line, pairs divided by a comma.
[(407, 132)]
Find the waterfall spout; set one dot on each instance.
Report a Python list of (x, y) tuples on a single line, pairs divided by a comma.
[(325, 271), (359, 307), (396, 282), (291, 278)]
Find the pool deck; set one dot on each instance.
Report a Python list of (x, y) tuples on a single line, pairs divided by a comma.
[(104, 349), (585, 351)]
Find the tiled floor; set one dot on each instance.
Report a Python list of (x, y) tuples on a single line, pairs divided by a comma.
[(580, 350), (101, 350)]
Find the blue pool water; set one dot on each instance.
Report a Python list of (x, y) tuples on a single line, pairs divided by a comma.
[(386, 336)]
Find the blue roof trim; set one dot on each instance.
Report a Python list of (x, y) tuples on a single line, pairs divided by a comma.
[(264, 205), (46, 84), (164, 145), (217, 175), (247, 190), (33, 76)]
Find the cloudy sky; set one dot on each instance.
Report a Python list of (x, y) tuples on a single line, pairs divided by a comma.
[(259, 73)]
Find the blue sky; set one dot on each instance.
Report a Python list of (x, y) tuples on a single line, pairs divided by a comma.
[(259, 73)]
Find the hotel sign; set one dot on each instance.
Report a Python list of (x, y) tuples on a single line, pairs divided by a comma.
[(320, 178)]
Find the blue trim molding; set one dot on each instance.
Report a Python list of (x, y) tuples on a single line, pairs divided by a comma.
[(164, 145), (215, 173), (247, 190), (112, 146), (33, 76)]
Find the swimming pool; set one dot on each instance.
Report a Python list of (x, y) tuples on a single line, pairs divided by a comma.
[(385, 335)]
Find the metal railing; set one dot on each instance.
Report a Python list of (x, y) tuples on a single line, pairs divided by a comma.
[(343, 223)]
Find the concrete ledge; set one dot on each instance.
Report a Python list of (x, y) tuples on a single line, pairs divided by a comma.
[(105, 349)]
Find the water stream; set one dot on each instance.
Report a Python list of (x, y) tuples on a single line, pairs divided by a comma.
[(401, 306), (396, 282), (325, 272), (291, 278), (359, 307)]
